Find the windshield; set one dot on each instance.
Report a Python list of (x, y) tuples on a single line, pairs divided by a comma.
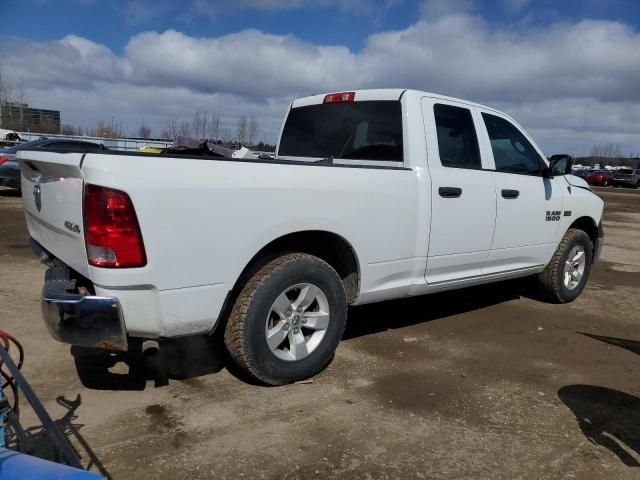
[(370, 130)]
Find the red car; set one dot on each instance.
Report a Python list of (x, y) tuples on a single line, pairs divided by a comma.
[(600, 178)]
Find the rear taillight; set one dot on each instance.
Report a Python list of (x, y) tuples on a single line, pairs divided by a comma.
[(111, 229), (3, 159), (340, 97)]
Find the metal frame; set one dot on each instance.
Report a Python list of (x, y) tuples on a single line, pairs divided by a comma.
[(66, 452)]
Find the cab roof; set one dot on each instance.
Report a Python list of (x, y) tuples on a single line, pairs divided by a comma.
[(381, 94)]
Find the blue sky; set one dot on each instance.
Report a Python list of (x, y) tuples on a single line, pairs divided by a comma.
[(112, 23), (569, 71)]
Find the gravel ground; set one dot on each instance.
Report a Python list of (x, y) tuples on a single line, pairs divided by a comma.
[(482, 383)]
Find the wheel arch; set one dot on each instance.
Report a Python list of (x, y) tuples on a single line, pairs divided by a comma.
[(330, 247), (590, 227)]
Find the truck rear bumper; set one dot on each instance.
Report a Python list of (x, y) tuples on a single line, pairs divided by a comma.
[(83, 320)]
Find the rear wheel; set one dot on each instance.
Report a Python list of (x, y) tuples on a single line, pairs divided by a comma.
[(288, 320), (567, 273)]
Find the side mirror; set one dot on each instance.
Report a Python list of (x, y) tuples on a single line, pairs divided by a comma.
[(559, 165)]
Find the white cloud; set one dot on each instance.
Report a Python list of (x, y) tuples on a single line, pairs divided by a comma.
[(571, 84)]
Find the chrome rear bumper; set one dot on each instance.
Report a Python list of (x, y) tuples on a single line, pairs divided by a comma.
[(83, 320)]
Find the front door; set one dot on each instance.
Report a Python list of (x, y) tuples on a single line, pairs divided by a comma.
[(463, 203), (529, 206)]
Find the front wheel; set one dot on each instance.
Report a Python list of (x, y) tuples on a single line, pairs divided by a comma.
[(567, 273), (288, 320)]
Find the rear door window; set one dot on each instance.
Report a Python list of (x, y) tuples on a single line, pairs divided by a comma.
[(74, 146), (457, 140), (368, 130)]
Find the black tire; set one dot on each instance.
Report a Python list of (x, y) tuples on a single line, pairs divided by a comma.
[(244, 334), (551, 279)]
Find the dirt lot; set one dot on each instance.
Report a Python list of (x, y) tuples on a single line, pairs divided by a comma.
[(482, 383)]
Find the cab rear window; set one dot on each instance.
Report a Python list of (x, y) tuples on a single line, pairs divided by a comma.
[(369, 130)]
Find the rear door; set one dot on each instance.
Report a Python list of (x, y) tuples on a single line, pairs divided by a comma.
[(52, 193), (529, 207), (463, 194)]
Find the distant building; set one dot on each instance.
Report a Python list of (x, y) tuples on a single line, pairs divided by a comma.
[(21, 117)]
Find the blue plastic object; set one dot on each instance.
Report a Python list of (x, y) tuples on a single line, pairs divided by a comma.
[(18, 466)]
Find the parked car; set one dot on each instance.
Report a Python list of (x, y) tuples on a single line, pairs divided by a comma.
[(10, 170), (373, 195), (626, 177), (600, 178), (582, 173), (9, 138)]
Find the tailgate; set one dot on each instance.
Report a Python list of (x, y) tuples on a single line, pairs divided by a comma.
[(52, 193)]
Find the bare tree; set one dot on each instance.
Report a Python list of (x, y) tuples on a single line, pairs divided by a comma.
[(6, 90), (14, 99), (213, 132), (6, 96), (606, 151), (108, 130), (172, 127), (184, 129), (144, 132), (21, 92), (253, 130), (242, 132), (165, 134), (225, 136), (68, 129), (200, 124)]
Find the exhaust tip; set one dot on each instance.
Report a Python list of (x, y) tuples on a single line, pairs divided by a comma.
[(150, 347)]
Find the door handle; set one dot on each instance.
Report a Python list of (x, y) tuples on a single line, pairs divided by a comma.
[(450, 192), (510, 193)]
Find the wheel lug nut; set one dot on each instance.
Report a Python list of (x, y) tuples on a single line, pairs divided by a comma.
[(299, 309), (286, 326), (296, 330), (304, 321)]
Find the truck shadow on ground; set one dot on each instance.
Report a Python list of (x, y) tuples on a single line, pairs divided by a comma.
[(607, 417), (38, 440), (631, 345), (177, 359), (378, 317), (194, 356)]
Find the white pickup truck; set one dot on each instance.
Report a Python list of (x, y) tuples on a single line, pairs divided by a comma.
[(373, 195)]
